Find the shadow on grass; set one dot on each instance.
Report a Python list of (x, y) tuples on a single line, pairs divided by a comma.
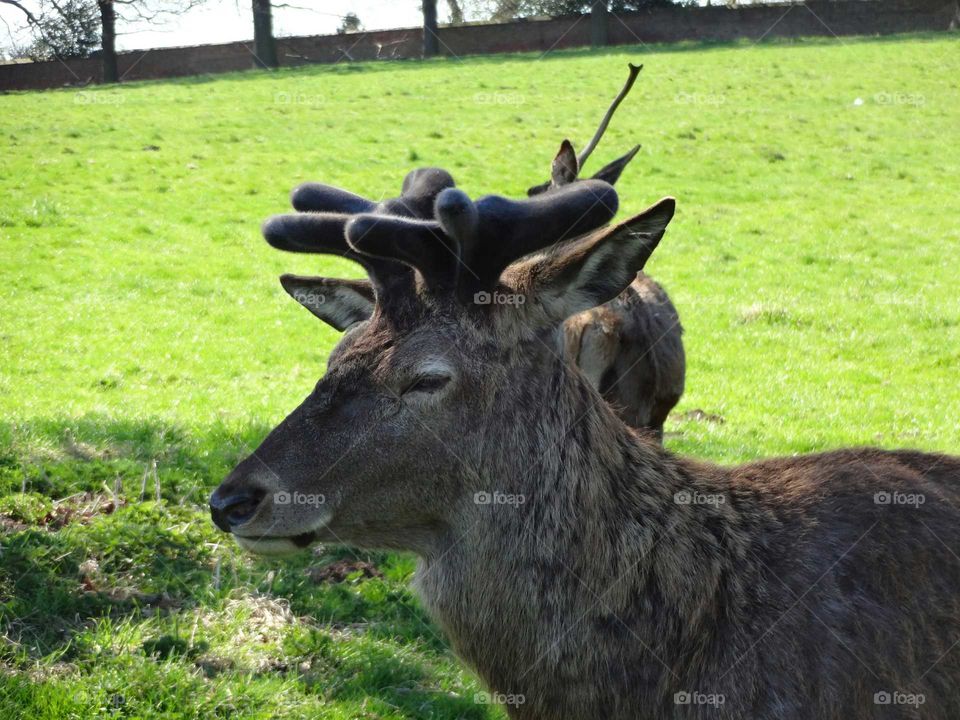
[(55, 583), (62, 456), (138, 560)]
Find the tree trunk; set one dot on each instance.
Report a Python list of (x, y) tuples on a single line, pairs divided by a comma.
[(264, 44), (599, 14), (431, 42), (108, 41), (456, 12)]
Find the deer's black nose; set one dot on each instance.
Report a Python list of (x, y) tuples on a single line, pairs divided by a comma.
[(234, 508)]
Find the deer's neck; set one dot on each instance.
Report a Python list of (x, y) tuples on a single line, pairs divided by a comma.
[(574, 521)]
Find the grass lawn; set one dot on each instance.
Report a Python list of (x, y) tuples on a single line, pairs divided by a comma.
[(146, 345)]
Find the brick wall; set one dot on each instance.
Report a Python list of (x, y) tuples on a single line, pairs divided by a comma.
[(665, 24)]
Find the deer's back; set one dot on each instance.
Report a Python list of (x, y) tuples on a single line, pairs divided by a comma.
[(847, 590)]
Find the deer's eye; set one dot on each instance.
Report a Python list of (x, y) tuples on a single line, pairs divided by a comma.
[(429, 383)]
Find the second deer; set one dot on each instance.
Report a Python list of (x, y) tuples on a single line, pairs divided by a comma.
[(631, 348)]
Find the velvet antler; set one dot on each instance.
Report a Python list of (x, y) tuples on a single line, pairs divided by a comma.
[(461, 249), (325, 211), (471, 243), (420, 188)]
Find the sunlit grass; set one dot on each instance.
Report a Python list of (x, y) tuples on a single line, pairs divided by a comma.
[(813, 260)]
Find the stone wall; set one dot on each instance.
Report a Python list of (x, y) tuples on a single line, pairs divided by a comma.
[(663, 24)]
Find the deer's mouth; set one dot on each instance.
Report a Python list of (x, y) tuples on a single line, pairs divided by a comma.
[(282, 544), (276, 545), (267, 545)]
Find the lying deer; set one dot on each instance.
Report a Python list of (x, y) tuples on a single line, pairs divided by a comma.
[(631, 348), (580, 569)]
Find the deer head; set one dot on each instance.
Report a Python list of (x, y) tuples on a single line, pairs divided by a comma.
[(440, 391), (567, 164)]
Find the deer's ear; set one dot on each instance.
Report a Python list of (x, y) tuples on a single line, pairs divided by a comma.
[(589, 272), (566, 167), (611, 172), (339, 303)]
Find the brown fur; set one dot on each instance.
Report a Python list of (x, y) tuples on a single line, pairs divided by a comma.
[(631, 351), (611, 577)]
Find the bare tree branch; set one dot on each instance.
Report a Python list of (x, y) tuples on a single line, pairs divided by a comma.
[(288, 6), (31, 18), (142, 12), (631, 79), (36, 26)]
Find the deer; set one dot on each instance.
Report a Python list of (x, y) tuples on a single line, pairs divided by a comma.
[(630, 349), (578, 567)]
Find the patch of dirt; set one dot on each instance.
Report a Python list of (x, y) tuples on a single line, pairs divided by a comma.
[(265, 615), (80, 508), (44, 673), (213, 665), (93, 583), (698, 415), (339, 571), (8, 524)]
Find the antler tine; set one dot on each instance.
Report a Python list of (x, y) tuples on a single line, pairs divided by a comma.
[(419, 244), (308, 233), (457, 215), (418, 193), (420, 187), (602, 128), (325, 233), (514, 228), (319, 197)]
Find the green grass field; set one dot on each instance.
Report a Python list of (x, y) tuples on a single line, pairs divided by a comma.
[(813, 259)]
